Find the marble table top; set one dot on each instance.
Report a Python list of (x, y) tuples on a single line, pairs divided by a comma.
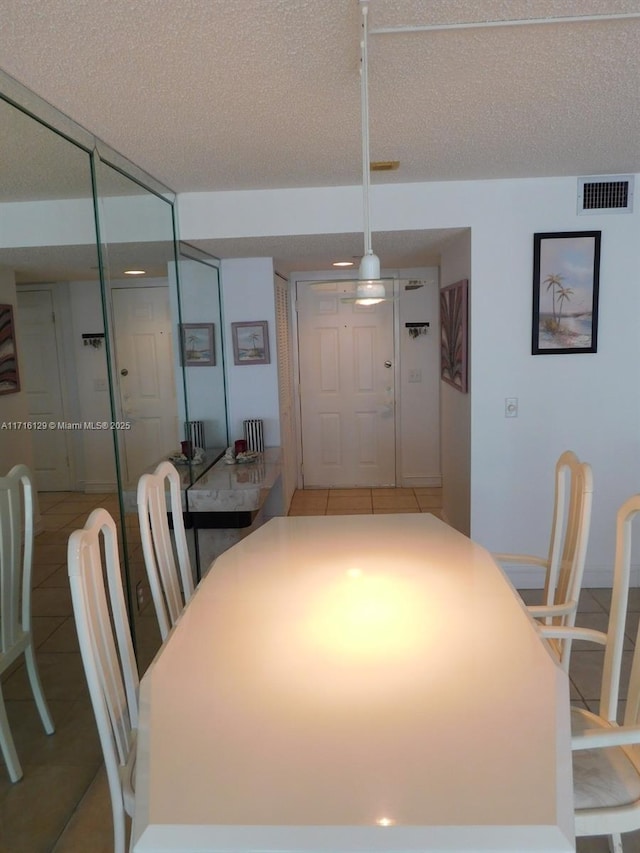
[(235, 488), (214, 486)]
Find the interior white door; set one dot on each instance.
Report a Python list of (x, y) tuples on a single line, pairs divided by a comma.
[(40, 378), (347, 394), (144, 370)]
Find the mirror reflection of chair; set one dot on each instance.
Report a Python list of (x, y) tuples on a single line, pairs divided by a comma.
[(170, 591), (107, 656), (16, 558), (564, 564), (606, 757)]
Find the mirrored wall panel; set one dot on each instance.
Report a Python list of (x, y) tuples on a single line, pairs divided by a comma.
[(118, 360), (49, 273), (137, 250), (202, 350)]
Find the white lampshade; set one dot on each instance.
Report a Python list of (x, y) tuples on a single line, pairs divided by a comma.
[(369, 267)]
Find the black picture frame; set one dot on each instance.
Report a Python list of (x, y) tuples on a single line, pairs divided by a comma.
[(566, 281)]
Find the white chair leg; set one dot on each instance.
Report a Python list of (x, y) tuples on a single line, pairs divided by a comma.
[(7, 745), (119, 828), (36, 689), (615, 843)]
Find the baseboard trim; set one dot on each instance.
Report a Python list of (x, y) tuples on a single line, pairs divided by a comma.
[(433, 481), (98, 488)]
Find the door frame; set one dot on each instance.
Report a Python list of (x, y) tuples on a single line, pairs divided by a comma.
[(309, 278)]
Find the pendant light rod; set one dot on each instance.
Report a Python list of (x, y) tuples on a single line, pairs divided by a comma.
[(471, 25), (364, 105)]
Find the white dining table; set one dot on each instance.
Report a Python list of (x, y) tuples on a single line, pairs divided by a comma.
[(354, 683)]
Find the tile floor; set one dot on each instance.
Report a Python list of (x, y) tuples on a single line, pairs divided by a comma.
[(62, 803), (365, 501)]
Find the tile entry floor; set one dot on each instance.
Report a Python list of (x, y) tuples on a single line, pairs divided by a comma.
[(62, 803)]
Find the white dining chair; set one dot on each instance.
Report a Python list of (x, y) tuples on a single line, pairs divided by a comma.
[(606, 756), (16, 636), (170, 591), (108, 657), (564, 564)]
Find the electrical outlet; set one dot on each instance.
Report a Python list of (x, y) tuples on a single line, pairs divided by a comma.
[(140, 597)]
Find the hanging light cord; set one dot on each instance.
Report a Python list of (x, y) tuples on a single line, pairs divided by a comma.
[(364, 103)]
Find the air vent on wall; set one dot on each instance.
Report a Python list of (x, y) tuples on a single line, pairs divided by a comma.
[(605, 194)]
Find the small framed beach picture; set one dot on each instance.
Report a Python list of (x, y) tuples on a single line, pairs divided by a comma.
[(250, 342), (9, 378), (198, 345), (566, 272)]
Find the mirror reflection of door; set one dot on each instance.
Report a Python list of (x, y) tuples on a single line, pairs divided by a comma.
[(346, 354), (145, 377), (42, 378)]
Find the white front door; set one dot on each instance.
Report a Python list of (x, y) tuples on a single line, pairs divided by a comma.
[(144, 371), (40, 377), (347, 392)]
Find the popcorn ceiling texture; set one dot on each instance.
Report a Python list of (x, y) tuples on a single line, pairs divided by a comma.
[(243, 94)]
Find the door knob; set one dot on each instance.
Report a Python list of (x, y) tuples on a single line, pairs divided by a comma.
[(124, 372), (387, 364)]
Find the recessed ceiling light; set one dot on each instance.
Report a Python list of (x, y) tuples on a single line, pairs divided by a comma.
[(342, 263), (135, 272)]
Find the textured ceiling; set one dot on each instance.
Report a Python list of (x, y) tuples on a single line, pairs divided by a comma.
[(244, 94), (239, 94)]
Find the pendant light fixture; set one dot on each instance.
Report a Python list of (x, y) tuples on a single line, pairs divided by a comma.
[(369, 288)]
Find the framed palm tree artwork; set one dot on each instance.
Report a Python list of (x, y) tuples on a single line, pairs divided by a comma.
[(566, 276), (250, 342), (198, 345)]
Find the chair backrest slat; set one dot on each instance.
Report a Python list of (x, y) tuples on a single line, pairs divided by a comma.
[(610, 689), (564, 466), (569, 539), (576, 533), (16, 552), (171, 585), (108, 660)]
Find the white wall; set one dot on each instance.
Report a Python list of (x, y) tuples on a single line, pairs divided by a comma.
[(455, 264), (252, 389), (590, 403), (419, 401), (15, 444)]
